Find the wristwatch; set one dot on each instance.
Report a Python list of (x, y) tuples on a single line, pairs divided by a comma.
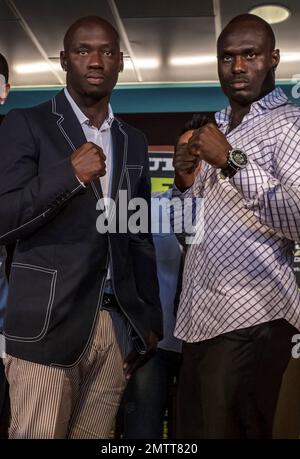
[(237, 159)]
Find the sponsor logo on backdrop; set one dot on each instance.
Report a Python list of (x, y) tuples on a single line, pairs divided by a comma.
[(161, 167)]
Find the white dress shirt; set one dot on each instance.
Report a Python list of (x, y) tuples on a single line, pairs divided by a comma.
[(101, 137)]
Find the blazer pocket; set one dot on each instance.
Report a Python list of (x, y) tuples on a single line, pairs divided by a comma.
[(133, 174), (30, 302)]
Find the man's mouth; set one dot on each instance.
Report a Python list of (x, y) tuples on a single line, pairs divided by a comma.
[(239, 84), (95, 79)]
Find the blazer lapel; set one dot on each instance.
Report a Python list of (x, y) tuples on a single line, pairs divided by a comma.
[(120, 146), (69, 126), (67, 121)]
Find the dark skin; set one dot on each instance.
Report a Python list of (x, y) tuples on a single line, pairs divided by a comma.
[(246, 67), (92, 60)]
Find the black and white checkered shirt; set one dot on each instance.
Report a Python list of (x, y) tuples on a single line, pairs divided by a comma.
[(240, 274)]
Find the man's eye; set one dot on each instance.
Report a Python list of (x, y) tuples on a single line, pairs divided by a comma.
[(251, 56), (227, 58), (107, 53), (83, 52)]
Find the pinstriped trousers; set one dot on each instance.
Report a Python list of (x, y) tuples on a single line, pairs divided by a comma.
[(77, 402)]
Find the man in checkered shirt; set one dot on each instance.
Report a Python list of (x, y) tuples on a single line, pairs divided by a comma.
[(240, 305)]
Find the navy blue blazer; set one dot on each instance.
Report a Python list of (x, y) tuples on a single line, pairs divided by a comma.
[(60, 261)]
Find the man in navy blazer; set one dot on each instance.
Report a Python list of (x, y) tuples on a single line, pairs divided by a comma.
[(75, 294)]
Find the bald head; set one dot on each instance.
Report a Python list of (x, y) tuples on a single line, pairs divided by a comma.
[(248, 21), (88, 22)]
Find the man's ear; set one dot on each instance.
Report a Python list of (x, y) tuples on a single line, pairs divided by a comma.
[(63, 61), (121, 68), (275, 58), (4, 93)]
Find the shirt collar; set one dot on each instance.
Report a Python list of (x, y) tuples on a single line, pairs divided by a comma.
[(83, 119), (272, 100)]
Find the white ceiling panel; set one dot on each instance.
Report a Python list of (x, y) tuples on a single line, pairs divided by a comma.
[(153, 34)]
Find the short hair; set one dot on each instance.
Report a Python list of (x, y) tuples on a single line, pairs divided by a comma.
[(96, 19), (250, 18), (4, 67)]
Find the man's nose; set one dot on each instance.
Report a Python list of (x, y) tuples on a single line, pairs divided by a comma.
[(239, 65), (96, 60)]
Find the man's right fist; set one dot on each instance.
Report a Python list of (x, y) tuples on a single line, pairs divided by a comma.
[(88, 162), (185, 164)]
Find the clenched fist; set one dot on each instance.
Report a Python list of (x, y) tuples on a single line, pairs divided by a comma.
[(209, 144), (88, 162), (185, 164)]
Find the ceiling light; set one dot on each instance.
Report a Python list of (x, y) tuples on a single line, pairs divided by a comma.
[(43, 67), (150, 63), (289, 57), (36, 67), (271, 13), (193, 60)]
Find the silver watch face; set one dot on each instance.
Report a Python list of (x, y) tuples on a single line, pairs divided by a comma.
[(239, 158)]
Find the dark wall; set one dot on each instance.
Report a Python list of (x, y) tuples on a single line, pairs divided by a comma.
[(159, 128)]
